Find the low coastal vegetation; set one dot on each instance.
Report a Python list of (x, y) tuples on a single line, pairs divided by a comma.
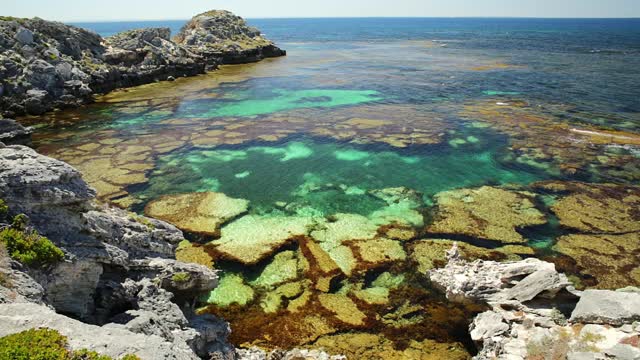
[(26, 245), (45, 344)]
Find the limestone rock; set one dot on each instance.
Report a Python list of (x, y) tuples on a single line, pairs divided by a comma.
[(494, 282), (295, 354), (607, 307), (51, 65), (195, 278), (197, 213), (110, 341), (487, 213), (487, 325), (29, 180), (528, 308), (222, 37), (12, 133)]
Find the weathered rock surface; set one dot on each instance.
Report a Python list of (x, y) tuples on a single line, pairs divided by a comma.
[(113, 341), (12, 133), (494, 282), (46, 65), (118, 267), (607, 307), (529, 303), (224, 38)]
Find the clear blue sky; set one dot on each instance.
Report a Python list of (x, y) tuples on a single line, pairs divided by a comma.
[(104, 10)]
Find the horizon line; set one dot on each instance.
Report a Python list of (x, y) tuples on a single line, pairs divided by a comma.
[(370, 17)]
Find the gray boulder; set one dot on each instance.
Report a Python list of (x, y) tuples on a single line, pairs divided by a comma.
[(24, 36), (12, 133), (30, 181), (493, 282), (607, 307)]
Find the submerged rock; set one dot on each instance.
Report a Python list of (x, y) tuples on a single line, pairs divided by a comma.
[(252, 237), (361, 345), (198, 213), (603, 225), (487, 213), (611, 259), (596, 208), (224, 38)]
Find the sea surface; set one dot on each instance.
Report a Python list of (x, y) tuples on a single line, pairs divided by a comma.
[(430, 104)]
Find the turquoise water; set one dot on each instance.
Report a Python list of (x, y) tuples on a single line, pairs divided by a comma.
[(250, 104), (332, 177)]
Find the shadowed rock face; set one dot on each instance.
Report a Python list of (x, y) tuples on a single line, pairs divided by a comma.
[(12, 133), (224, 38)]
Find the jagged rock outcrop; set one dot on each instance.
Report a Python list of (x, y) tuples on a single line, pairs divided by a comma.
[(12, 133), (118, 269), (221, 37), (46, 65), (531, 311)]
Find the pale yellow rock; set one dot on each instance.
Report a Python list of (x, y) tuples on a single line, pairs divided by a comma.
[(343, 308), (199, 213)]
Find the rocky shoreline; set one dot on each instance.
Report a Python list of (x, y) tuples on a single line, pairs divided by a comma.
[(116, 288), (534, 312), (47, 65)]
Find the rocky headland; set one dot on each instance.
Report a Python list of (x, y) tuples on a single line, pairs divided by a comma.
[(46, 65)]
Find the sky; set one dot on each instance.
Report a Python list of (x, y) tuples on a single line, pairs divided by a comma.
[(111, 10)]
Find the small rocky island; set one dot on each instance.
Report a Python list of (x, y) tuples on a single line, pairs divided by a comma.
[(47, 65)]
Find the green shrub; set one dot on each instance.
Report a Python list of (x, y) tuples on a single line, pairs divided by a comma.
[(34, 344), (45, 344), (87, 355), (4, 209), (30, 248), (131, 357), (181, 277), (20, 222)]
